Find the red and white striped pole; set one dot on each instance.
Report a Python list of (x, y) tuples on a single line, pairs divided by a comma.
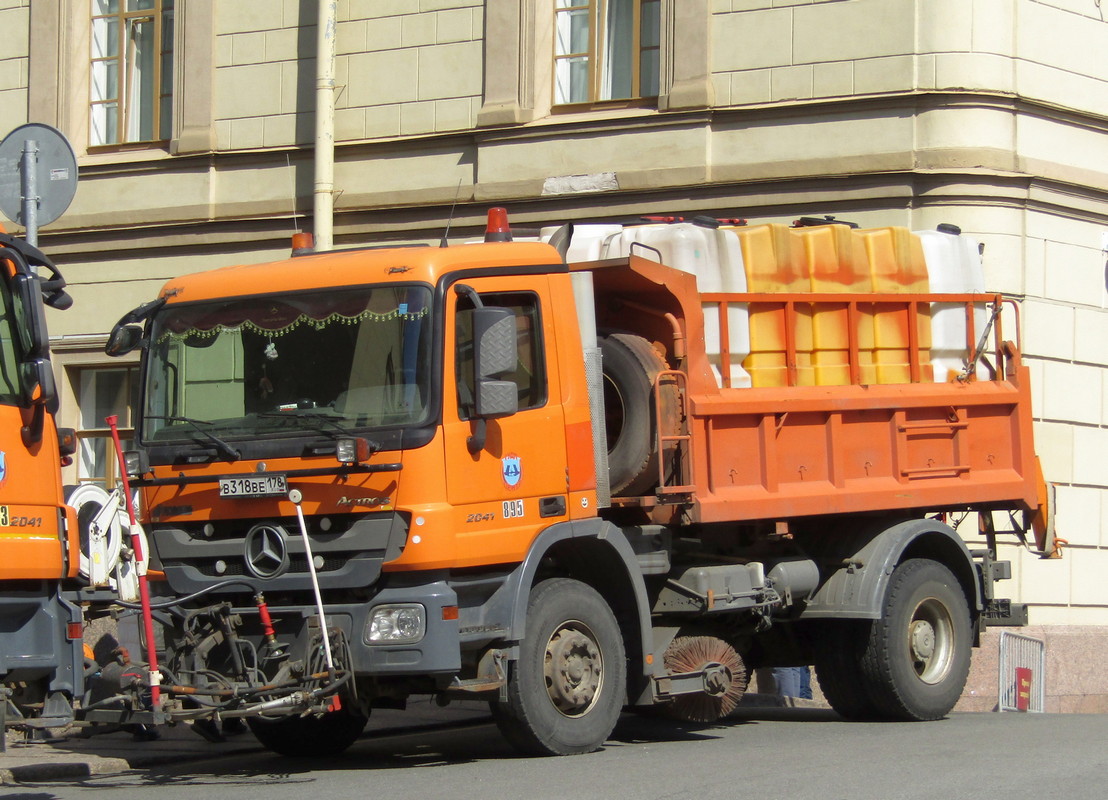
[(140, 569)]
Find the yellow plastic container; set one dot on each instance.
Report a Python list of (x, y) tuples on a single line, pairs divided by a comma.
[(895, 262), (774, 262), (835, 263)]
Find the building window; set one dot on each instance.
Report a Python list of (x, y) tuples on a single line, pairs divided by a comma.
[(131, 72), (102, 392), (606, 50)]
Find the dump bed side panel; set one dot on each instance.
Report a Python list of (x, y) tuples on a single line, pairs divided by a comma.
[(799, 451)]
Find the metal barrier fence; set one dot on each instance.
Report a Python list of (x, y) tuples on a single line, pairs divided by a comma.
[(1022, 673)]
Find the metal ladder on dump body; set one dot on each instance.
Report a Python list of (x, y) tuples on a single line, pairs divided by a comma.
[(682, 460)]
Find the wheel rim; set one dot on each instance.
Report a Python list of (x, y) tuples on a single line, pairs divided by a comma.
[(574, 669), (931, 640)]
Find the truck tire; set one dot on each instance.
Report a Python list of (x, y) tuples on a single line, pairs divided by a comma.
[(309, 737), (630, 365), (917, 656), (566, 690), (838, 646)]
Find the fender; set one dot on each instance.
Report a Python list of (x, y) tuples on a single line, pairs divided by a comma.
[(856, 569), (507, 607)]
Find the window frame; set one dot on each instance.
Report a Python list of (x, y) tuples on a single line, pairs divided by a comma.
[(518, 63), (59, 64), (162, 100), (131, 388), (598, 55)]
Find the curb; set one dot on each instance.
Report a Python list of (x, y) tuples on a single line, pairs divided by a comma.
[(73, 767)]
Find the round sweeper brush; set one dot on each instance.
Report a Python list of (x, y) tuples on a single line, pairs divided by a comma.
[(725, 680)]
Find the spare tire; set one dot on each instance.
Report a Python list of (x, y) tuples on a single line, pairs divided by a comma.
[(630, 366)]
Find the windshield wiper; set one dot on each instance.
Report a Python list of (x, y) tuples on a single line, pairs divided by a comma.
[(229, 452), (321, 417)]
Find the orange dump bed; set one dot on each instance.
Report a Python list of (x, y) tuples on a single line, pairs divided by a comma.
[(793, 450)]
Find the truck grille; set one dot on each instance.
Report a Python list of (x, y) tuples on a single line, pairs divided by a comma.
[(270, 554)]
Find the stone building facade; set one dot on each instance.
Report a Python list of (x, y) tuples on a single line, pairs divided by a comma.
[(988, 114)]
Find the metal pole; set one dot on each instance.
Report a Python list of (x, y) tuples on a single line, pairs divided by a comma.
[(5, 693), (324, 195), (295, 496), (28, 173)]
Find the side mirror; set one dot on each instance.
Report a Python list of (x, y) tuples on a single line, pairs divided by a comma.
[(123, 339), (38, 382), (40, 393), (30, 316), (494, 353)]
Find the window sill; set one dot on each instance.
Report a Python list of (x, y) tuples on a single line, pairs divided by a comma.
[(135, 152), (585, 112), (643, 103)]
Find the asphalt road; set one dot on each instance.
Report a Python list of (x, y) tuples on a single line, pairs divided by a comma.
[(788, 754)]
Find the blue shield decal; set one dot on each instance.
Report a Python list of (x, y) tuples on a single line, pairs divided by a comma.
[(3, 467), (511, 467)]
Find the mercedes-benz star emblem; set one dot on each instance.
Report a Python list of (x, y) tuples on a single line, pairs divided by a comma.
[(265, 551)]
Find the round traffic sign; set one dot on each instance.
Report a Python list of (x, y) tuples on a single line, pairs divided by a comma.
[(55, 172)]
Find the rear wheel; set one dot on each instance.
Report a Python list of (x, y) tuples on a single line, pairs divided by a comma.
[(566, 690), (918, 655), (912, 663), (839, 646)]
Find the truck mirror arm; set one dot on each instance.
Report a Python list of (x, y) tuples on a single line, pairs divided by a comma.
[(475, 442), (31, 433)]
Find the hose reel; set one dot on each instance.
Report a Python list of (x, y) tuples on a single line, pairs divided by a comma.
[(106, 559)]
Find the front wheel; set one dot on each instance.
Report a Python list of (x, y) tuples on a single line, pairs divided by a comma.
[(917, 657), (566, 690)]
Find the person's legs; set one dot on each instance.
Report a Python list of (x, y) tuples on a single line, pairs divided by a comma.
[(806, 682), (788, 681)]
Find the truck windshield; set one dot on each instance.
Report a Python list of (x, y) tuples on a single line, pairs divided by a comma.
[(9, 358), (280, 364)]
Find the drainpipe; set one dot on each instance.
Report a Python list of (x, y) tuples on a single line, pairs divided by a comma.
[(323, 208)]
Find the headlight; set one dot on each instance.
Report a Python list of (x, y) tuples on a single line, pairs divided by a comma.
[(352, 451), (136, 463), (399, 624)]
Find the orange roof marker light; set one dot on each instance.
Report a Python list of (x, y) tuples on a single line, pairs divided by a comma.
[(498, 229), (303, 244)]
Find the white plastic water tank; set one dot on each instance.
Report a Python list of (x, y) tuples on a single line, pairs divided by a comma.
[(587, 241), (714, 256), (953, 267)]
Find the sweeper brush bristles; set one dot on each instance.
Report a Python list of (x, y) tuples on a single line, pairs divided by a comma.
[(694, 653)]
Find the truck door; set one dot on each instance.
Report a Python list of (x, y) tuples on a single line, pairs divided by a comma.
[(515, 484), (31, 546)]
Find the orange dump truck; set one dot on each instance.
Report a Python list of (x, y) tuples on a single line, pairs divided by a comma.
[(574, 476), (41, 662)]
